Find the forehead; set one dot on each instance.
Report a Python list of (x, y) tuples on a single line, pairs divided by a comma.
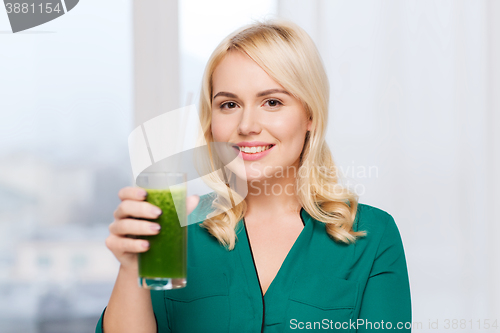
[(237, 71)]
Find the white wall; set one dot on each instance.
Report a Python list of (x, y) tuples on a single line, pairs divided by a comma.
[(414, 92)]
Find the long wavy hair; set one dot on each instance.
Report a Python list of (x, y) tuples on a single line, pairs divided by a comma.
[(288, 55)]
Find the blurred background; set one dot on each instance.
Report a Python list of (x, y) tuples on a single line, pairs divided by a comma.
[(414, 126)]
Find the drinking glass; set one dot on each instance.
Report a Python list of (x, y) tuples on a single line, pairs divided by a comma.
[(164, 265)]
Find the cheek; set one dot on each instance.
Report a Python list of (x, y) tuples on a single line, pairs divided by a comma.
[(288, 131), (219, 131)]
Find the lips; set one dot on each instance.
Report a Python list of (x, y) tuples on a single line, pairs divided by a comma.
[(249, 150), (254, 149)]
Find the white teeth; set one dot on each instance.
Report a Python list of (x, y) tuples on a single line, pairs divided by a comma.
[(253, 150)]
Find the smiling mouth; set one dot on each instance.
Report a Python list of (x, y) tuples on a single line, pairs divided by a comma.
[(253, 150)]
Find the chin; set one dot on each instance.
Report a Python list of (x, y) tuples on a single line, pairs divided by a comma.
[(260, 176), (253, 176)]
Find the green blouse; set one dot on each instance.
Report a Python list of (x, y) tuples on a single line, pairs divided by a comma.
[(321, 285)]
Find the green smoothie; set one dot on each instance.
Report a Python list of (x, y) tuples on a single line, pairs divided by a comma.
[(167, 254)]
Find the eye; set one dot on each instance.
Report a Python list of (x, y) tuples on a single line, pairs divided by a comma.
[(274, 103), (231, 105)]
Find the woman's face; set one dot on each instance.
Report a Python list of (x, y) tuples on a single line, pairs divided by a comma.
[(249, 109)]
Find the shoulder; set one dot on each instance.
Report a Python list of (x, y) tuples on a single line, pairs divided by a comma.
[(371, 217), (204, 207), (206, 200), (202, 245), (378, 224)]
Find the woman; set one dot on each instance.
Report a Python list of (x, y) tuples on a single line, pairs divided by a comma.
[(298, 252)]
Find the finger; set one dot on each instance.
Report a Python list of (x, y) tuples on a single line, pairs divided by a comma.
[(134, 227), (132, 193), (126, 245), (138, 209), (191, 203)]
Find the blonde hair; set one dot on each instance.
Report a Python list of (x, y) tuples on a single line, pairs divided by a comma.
[(288, 55)]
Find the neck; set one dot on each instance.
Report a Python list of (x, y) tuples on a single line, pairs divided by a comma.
[(272, 197)]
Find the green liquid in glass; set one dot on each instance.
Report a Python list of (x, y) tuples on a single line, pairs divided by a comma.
[(167, 254)]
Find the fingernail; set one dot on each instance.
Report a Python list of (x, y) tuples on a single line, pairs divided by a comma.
[(156, 211), (145, 245), (142, 193), (155, 227)]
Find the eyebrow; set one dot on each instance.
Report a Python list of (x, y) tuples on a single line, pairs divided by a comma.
[(262, 93)]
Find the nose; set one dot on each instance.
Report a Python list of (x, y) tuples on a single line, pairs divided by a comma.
[(249, 122)]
